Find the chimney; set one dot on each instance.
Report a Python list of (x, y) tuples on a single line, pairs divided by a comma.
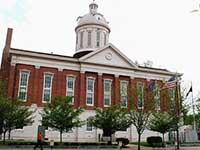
[(8, 37), (5, 56)]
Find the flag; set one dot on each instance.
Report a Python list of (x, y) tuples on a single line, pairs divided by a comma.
[(171, 83), (151, 86), (190, 90)]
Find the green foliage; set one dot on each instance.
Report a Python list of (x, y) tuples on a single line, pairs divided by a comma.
[(110, 120), (161, 122), (60, 115), (12, 114), (154, 141), (139, 117)]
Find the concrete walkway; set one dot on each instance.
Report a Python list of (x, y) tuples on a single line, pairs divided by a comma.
[(134, 147)]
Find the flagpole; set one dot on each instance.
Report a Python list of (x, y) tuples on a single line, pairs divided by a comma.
[(193, 108)]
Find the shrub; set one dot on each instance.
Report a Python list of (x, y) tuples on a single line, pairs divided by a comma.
[(154, 141), (125, 141)]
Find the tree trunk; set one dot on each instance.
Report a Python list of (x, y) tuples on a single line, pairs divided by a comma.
[(4, 137), (1, 131), (9, 132), (111, 139), (139, 139), (163, 139), (60, 136)]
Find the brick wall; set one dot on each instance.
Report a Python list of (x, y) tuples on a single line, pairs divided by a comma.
[(35, 86)]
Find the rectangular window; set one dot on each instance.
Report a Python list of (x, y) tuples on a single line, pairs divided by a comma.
[(47, 86), (140, 95), (89, 125), (70, 87), (171, 94), (105, 39), (23, 85), (123, 93), (90, 92), (89, 38), (107, 92), (98, 39), (157, 97), (81, 40)]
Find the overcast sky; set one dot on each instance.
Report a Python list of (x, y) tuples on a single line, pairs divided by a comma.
[(163, 31)]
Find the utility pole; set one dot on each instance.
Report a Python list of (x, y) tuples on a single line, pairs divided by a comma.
[(193, 109)]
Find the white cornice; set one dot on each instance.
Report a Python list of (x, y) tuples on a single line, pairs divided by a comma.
[(45, 63), (42, 55), (63, 62)]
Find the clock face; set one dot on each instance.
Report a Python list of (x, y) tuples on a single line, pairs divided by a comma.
[(98, 17), (108, 56)]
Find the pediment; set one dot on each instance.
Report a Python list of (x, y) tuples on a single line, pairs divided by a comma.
[(108, 55)]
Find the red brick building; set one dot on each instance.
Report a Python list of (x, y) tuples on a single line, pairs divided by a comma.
[(98, 75)]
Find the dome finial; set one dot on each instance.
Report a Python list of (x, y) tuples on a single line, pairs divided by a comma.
[(93, 7)]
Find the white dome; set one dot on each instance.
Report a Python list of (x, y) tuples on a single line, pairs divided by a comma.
[(96, 19), (93, 17), (92, 32)]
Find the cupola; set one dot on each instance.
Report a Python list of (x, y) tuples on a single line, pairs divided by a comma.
[(92, 31)]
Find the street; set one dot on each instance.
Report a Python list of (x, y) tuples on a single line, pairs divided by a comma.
[(132, 147)]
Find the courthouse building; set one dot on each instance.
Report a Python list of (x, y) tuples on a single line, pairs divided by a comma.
[(95, 76)]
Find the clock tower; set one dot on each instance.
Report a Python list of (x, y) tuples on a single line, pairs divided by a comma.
[(92, 32)]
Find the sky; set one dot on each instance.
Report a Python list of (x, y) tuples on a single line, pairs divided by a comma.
[(162, 31)]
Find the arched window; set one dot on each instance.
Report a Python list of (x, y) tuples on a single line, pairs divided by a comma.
[(81, 39), (98, 39), (89, 125)]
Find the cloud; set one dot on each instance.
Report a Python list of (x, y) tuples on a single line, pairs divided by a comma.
[(13, 10)]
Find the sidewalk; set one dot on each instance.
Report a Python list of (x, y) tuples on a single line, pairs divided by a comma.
[(134, 147)]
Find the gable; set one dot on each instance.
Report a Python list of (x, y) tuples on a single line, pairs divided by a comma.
[(108, 56)]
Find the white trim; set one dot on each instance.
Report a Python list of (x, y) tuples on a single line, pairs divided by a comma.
[(37, 67), (71, 75), (43, 62), (27, 81), (42, 55), (105, 47), (83, 67), (52, 74), (87, 92), (60, 69), (67, 89), (107, 93)]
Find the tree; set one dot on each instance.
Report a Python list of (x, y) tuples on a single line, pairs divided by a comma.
[(161, 122), (12, 114), (140, 119), (140, 112), (110, 120), (175, 108), (60, 115)]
